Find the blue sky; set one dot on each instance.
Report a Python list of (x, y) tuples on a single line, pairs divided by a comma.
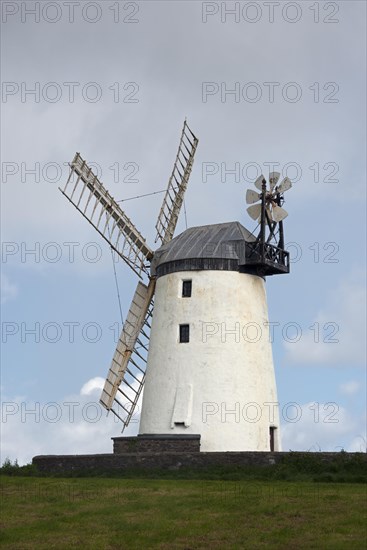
[(166, 65)]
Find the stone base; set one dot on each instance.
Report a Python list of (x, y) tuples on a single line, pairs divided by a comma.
[(104, 463), (157, 443)]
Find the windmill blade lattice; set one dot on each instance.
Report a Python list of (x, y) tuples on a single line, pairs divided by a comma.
[(94, 202), (126, 375), (177, 184)]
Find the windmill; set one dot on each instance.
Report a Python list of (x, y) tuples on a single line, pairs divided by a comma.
[(193, 356)]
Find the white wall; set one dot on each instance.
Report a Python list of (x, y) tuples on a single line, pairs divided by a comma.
[(217, 371)]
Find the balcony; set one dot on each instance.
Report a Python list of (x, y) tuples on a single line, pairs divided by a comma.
[(265, 259)]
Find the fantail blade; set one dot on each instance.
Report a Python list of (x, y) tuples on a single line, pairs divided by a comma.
[(279, 213), (284, 186), (273, 179), (268, 211), (259, 182), (254, 211), (252, 196)]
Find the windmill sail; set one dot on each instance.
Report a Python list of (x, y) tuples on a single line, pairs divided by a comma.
[(126, 376), (95, 203), (177, 184)]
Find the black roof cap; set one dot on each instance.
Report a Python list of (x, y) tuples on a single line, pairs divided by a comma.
[(219, 246)]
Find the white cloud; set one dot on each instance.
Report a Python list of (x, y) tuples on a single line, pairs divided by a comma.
[(93, 385), (9, 290), (76, 424), (324, 427), (350, 388), (339, 329)]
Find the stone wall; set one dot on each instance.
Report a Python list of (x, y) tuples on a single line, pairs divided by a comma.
[(173, 461), (157, 444)]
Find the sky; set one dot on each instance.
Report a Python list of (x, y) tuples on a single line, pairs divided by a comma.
[(264, 85)]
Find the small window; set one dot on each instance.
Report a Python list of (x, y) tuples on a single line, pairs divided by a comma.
[(186, 289), (184, 334), (180, 424)]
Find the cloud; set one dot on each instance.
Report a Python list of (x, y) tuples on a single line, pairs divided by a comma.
[(339, 329), (93, 385), (75, 424), (9, 291), (350, 388), (324, 427)]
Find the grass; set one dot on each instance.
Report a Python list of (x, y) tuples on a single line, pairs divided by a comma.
[(105, 513)]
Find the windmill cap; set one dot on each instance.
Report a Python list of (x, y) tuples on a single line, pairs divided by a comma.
[(217, 247)]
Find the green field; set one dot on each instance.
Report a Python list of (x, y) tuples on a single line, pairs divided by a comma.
[(39, 512)]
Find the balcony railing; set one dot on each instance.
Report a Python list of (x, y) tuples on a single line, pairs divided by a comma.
[(268, 256)]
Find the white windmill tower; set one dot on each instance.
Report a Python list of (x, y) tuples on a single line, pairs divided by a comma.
[(203, 369)]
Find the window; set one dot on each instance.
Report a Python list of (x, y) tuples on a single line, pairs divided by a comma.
[(186, 289), (184, 334)]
